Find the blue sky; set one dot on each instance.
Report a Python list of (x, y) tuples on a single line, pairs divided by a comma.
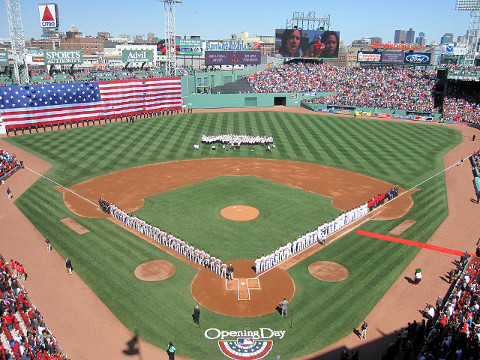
[(219, 19)]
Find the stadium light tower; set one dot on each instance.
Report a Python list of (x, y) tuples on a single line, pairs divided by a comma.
[(473, 29), (17, 41), (170, 36), (308, 22)]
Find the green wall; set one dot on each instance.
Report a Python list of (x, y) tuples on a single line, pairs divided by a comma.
[(215, 101)]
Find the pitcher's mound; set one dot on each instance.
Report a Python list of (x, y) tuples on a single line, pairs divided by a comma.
[(239, 212), (328, 271), (155, 270)]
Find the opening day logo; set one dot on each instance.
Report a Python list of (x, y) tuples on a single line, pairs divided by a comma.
[(246, 344)]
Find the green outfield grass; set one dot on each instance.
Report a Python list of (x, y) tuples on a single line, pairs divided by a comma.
[(199, 207), (401, 153)]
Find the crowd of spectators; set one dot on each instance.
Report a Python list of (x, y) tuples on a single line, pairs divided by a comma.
[(8, 163), (461, 103), (456, 332), (402, 89), (23, 335), (95, 74), (451, 327), (475, 159), (462, 69)]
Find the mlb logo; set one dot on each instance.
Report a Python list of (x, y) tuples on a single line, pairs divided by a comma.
[(245, 342), (245, 348)]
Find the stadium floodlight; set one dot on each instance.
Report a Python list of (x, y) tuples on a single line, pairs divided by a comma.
[(19, 51), (473, 28), (171, 63), (467, 5)]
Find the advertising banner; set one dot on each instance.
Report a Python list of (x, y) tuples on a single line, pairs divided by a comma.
[(369, 57), (321, 44), (418, 58), (189, 47), (405, 117), (232, 58), (396, 46), (325, 110), (230, 45), (363, 113), (383, 115), (391, 57), (3, 58), (62, 57), (48, 15), (132, 56), (347, 112), (423, 118)]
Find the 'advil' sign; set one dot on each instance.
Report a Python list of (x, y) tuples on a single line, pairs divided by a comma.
[(132, 56)]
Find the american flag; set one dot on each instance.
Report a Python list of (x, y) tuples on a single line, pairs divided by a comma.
[(45, 104)]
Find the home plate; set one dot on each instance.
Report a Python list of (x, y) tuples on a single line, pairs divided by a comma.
[(242, 283)]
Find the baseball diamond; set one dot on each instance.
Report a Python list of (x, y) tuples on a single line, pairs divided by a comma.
[(321, 166)]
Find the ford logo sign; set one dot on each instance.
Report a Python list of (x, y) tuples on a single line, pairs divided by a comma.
[(417, 58)]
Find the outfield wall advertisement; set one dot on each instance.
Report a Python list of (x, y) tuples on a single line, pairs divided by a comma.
[(418, 58), (63, 57), (132, 56), (394, 57), (3, 58), (369, 57), (189, 47), (232, 58), (192, 47)]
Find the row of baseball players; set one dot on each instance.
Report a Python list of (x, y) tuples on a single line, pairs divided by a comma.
[(319, 235), (189, 251), (237, 139)]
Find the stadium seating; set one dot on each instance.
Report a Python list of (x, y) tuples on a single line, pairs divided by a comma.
[(62, 78), (402, 89), (5, 80), (24, 334)]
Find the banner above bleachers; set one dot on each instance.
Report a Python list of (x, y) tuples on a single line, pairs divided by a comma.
[(47, 104)]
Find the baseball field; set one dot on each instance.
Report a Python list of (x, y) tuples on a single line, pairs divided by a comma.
[(106, 257)]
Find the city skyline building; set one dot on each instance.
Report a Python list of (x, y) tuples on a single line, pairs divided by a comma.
[(447, 38), (420, 39), (400, 37), (410, 36)]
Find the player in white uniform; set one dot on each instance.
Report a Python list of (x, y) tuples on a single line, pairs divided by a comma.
[(257, 265), (224, 270)]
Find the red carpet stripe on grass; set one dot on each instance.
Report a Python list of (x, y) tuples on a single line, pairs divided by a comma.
[(409, 242)]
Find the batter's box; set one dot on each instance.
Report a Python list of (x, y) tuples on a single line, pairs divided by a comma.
[(243, 286)]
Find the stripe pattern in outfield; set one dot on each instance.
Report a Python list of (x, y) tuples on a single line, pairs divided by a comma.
[(399, 153), (45, 104)]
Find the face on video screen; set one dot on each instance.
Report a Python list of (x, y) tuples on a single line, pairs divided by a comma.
[(307, 43)]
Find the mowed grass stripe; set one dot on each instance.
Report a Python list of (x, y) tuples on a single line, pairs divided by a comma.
[(290, 134), (309, 144), (298, 135)]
